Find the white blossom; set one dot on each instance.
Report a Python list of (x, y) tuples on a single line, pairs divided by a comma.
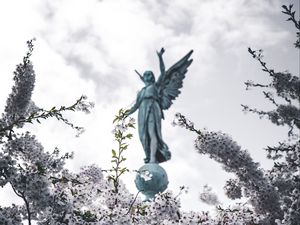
[(208, 197)]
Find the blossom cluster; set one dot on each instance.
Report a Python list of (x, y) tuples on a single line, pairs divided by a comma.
[(208, 197), (239, 214), (19, 103), (11, 215), (224, 150), (84, 106), (233, 189)]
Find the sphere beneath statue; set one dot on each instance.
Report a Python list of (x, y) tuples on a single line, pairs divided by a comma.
[(151, 179)]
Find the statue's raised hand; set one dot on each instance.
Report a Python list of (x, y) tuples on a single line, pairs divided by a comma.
[(162, 50)]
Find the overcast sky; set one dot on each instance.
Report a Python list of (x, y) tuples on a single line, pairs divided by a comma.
[(93, 47)]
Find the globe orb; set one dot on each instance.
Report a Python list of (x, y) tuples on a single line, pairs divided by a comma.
[(151, 179)]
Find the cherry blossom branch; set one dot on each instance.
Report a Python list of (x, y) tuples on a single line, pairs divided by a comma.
[(221, 148), (288, 10), (120, 136), (258, 55), (79, 105)]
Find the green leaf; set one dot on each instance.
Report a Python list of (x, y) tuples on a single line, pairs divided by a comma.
[(131, 125), (115, 119), (124, 146), (114, 154), (123, 159), (120, 111)]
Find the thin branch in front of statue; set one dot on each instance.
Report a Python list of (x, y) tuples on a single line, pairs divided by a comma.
[(131, 204)]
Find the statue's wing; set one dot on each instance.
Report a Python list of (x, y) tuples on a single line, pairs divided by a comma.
[(169, 83)]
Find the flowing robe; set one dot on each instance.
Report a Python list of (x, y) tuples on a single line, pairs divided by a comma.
[(149, 123)]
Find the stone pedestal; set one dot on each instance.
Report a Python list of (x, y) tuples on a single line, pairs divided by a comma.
[(151, 179)]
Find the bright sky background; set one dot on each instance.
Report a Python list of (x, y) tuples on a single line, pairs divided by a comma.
[(93, 47)]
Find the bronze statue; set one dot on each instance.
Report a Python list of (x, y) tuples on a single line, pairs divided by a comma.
[(155, 97)]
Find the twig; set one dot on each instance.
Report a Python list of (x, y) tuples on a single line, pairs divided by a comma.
[(132, 202), (258, 56), (44, 114)]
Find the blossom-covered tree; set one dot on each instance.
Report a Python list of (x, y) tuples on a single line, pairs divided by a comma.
[(285, 174), (274, 195), (24, 164)]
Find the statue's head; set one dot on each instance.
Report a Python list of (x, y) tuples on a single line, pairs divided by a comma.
[(148, 77)]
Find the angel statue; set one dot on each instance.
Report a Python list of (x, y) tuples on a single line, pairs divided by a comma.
[(155, 97)]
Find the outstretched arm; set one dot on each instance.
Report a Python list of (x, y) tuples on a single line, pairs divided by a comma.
[(161, 63), (135, 106), (132, 109)]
